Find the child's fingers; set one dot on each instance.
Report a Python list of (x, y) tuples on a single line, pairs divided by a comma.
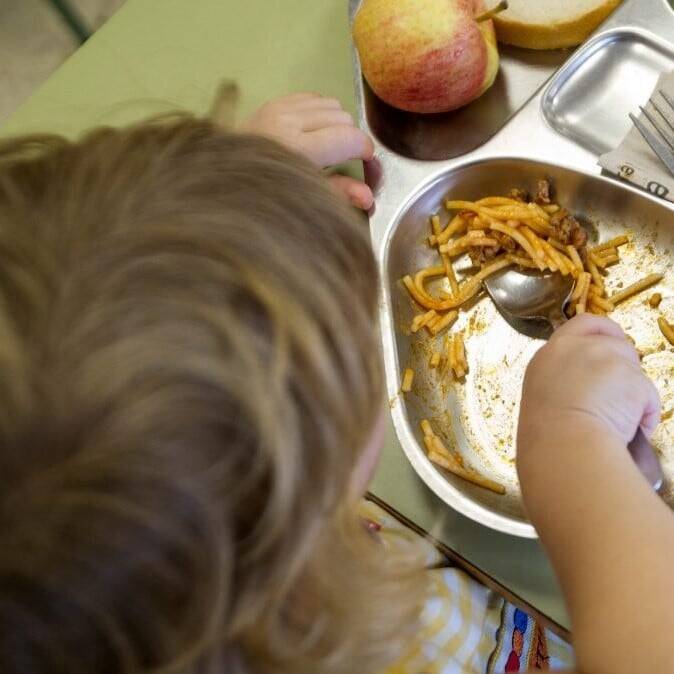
[(299, 96), (357, 192), (589, 328), (586, 325), (598, 348), (337, 144), (310, 101), (605, 353), (618, 345), (321, 118), (652, 410), (322, 102)]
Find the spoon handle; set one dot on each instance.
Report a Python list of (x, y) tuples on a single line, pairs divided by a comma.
[(557, 317), (646, 459)]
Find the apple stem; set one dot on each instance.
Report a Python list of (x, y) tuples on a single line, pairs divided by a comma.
[(485, 16)]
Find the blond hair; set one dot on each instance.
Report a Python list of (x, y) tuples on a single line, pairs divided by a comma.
[(188, 372)]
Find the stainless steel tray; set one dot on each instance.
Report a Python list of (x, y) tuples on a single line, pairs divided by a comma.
[(558, 131)]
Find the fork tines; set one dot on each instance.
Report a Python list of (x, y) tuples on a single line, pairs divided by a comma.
[(662, 141)]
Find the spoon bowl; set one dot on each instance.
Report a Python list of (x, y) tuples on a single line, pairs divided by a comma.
[(528, 294)]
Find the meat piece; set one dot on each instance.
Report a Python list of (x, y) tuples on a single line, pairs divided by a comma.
[(562, 222), (505, 242), (567, 229), (468, 217), (556, 218), (519, 195), (542, 192), (579, 237), (483, 255)]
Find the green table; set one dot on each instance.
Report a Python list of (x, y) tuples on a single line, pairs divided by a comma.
[(152, 57)]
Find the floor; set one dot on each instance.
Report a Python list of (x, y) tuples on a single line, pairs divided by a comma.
[(34, 41)]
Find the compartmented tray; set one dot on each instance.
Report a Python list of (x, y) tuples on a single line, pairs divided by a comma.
[(556, 130)]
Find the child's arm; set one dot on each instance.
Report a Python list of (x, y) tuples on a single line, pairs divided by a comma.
[(321, 130), (609, 536)]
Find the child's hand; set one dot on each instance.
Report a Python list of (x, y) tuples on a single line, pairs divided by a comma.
[(586, 378), (609, 536), (321, 130)]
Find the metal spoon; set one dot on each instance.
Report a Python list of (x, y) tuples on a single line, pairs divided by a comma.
[(530, 295), (534, 303)]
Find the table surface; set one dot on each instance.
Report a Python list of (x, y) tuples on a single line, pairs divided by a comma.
[(145, 62)]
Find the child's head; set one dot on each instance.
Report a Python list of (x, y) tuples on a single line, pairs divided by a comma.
[(188, 375)]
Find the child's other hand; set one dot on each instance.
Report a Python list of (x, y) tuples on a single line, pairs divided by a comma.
[(587, 378), (321, 130)]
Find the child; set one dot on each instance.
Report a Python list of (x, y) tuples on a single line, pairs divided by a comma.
[(192, 404)]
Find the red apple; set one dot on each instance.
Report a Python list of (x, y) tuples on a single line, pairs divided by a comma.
[(426, 55)]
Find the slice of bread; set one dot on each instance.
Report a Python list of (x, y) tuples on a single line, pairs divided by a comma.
[(550, 24)]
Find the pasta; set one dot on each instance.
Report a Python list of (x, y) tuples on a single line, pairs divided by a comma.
[(408, 378), (636, 288), (667, 330), (453, 462), (497, 232), (443, 322), (654, 300)]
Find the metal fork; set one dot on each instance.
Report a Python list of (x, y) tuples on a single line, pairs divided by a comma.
[(661, 142)]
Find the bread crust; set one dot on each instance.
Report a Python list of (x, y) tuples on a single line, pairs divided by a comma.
[(552, 36)]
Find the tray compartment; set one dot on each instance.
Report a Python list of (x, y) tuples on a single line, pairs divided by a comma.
[(452, 134), (590, 99), (479, 417)]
